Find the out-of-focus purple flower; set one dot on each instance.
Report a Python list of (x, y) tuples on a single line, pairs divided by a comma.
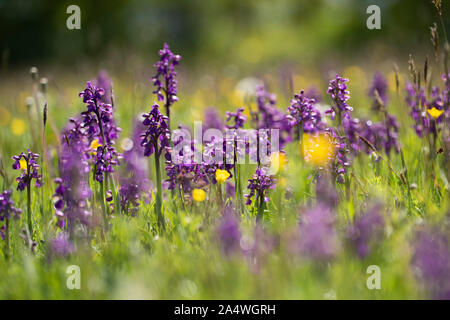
[(391, 134), (103, 81), (156, 137), (165, 78), (133, 180), (7, 210), (230, 189), (416, 99), (62, 246), (318, 237), (352, 131), (71, 194), (432, 258), (257, 246), (229, 233), (259, 186), (30, 169), (313, 93), (337, 89), (269, 117), (129, 197), (367, 229), (303, 114), (72, 191), (379, 84), (212, 120), (326, 192), (382, 135)]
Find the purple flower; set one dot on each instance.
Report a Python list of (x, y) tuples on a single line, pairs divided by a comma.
[(269, 117), (341, 161), (313, 93), (379, 84), (391, 134), (432, 258), (236, 120), (133, 179), (318, 236), (303, 114), (72, 191), (106, 158), (7, 210), (367, 229), (61, 245), (165, 78), (229, 233), (337, 89), (103, 81), (30, 169), (347, 132), (352, 131), (212, 120), (326, 192), (156, 137), (98, 119), (259, 185), (416, 99)]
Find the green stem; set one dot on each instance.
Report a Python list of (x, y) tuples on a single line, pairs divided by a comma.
[(260, 207), (103, 204), (7, 237), (30, 223), (158, 203)]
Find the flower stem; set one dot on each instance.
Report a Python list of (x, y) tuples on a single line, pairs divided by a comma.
[(260, 207), (30, 223), (103, 204), (158, 203), (7, 238)]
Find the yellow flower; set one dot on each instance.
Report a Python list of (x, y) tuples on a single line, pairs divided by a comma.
[(198, 195), (18, 127), (23, 164), (95, 144), (278, 162), (222, 175), (318, 149), (435, 113)]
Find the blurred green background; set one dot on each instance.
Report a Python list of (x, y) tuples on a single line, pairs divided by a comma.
[(250, 33)]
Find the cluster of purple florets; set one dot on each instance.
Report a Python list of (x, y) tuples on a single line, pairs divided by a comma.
[(30, 170)]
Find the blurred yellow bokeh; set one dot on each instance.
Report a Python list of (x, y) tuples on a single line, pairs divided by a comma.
[(18, 127), (318, 150)]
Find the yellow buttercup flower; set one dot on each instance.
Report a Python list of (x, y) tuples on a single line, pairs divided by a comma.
[(198, 195), (435, 113), (23, 164), (318, 150), (18, 127), (222, 175), (95, 144)]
